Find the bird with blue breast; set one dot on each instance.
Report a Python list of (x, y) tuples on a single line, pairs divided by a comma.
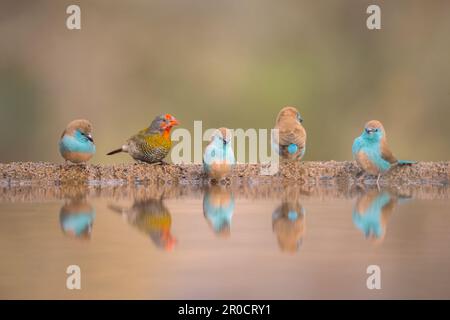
[(76, 143), (218, 158), (372, 153)]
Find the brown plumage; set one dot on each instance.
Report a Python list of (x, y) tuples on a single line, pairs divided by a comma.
[(83, 125), (386, 153), (291, 134), (372, 153), (76, 143)]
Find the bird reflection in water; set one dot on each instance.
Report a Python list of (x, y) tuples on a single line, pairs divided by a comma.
[(288, 223), (372, 211), (151, 217), (218, 209), (76, 218)]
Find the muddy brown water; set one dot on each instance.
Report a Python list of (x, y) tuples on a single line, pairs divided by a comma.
[(222, 243)]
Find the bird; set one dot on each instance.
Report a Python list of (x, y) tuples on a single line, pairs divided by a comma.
[(218, 209), (218, 158), (288, 223), (151, 217), (151, 145), (76, 218), (371, 213), (372, 153), (76, 143), (289, 137)]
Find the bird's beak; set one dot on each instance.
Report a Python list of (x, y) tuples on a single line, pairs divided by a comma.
[(370, 130), (88, 136), (174, 122)]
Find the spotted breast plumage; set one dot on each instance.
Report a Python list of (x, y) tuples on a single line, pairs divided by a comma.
[(152, 144), (151, 217)]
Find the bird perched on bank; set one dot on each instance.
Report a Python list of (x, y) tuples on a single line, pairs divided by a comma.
[(218, 159), (76, 144), (152, 144), (290, 139), (371, 151)]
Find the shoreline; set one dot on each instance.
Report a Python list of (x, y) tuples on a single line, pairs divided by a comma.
[(309, 173)]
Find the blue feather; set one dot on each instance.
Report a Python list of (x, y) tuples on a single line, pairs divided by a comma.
[(292, 148), (76, 143)]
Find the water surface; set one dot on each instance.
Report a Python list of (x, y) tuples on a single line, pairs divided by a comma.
[(211, 243)]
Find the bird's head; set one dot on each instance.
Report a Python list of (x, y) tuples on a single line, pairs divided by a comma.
[(163, 123), (80, 128), (289, 113), (374, 130), (222, 136), (169, 241)]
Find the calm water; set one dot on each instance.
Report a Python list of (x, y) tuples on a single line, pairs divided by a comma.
[(223, 243)]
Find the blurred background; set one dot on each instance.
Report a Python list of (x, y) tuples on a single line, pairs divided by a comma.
[(231, 63)]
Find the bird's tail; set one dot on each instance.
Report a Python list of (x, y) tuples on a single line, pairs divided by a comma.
[(406, 162), (115, 151)]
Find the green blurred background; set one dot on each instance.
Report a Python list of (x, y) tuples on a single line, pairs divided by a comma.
[(231, 63)]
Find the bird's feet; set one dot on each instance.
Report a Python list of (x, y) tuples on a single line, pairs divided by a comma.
[(359, 178), (359, 174), (160, 163)]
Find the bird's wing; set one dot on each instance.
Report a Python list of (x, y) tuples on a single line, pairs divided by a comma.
[(211, 154), (386, 153), (357, 144)]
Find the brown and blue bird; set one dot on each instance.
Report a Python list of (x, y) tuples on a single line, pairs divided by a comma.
[(218, 159), (372, 153), (289, 138), (76, 144), (153, 144)]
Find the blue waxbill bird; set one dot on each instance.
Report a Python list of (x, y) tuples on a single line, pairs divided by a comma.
[(291, 134), (372, 153), (218, 159)]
